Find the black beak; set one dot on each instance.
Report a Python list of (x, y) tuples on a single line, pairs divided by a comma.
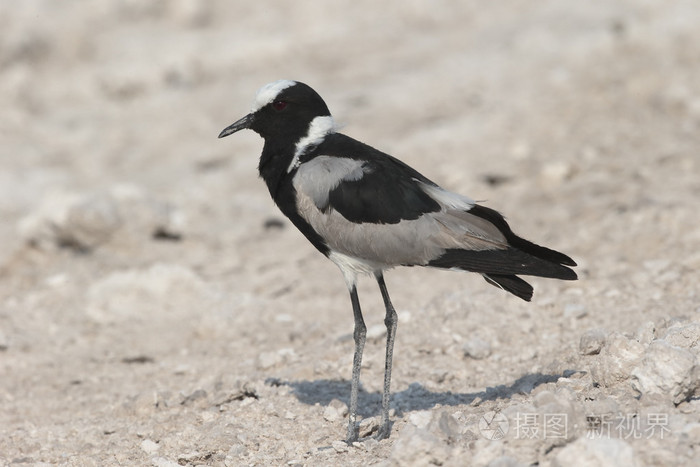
[(241, 124)]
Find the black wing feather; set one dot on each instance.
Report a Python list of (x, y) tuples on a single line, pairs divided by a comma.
[(388, 192), (544, 253), (504, 262), (380, 197), (512, 284)]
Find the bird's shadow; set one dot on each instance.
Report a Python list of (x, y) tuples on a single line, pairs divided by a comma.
[(414, 398)]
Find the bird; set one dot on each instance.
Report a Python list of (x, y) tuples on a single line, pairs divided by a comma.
[(368, 212)]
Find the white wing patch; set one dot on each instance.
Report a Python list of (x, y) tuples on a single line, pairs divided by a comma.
[(447, 199), (269, 92), (462, 229)]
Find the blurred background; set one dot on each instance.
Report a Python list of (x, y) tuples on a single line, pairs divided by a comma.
[(130, 232)]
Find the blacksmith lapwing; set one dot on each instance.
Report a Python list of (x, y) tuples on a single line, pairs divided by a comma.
[(369, 212)]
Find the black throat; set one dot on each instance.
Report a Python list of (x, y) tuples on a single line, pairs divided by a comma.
[(273, 169), (273, 166)]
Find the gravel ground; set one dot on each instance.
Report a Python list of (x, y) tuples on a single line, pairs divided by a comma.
[(156, 308)]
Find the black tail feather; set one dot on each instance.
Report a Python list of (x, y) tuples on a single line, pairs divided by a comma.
[(512, 284), (499, 266), (499, 221), (506, 262)]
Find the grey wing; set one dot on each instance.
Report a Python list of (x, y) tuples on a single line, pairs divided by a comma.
[(414, 241)]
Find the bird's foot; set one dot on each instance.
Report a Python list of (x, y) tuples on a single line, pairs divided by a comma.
[(384, 431)]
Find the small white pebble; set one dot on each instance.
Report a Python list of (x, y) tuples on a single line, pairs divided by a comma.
[(575, 310), (376, 331), (57, 280), (283, 318), (476, 348), (420, 419), (335, 410), (267, 360), (149, 446)]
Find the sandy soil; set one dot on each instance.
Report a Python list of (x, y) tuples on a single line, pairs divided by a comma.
[(156, 309)]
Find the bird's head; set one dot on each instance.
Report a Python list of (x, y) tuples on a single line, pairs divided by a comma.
[(283, 110)]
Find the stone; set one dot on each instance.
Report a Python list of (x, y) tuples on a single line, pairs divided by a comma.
[(420, 419), (335, 410), (555, 173), (595, 452), (149, 446), (476, 348), (617, 359), (668, 371), (340, 446), (645, 333), (71, 220), (592, 341), (419, 447), (85, 221), (684, 335), (267, 360)]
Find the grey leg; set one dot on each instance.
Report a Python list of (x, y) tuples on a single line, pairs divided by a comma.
[(359, 335), (390, 321)]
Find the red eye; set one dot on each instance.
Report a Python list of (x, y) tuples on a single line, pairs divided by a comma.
[(279, 105)]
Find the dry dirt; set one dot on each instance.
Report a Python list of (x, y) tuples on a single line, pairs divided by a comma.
[(156, 308)]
